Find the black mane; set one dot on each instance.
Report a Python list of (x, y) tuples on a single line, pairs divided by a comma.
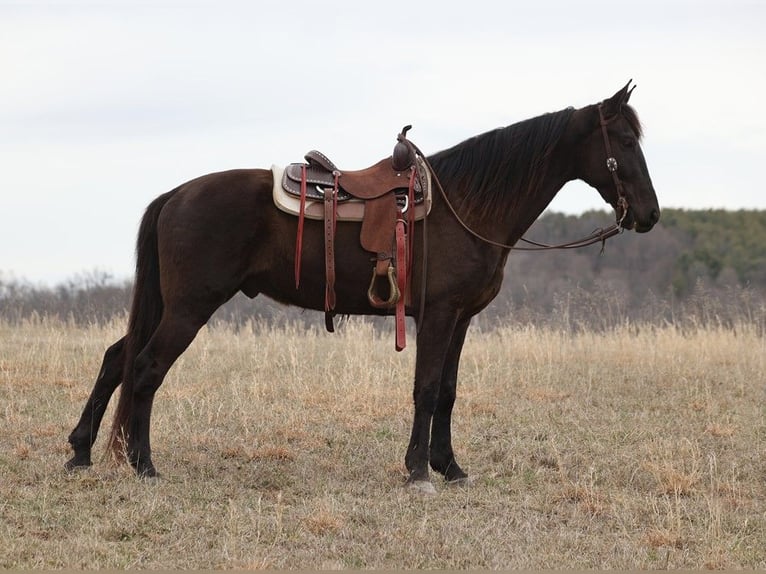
[(505, 162)]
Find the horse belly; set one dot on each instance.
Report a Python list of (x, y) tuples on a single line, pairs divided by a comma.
[(275, 262)]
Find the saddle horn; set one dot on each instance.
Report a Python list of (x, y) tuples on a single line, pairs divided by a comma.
[(404, 156)]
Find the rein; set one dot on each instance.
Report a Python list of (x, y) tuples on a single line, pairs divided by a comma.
[(597, 236)]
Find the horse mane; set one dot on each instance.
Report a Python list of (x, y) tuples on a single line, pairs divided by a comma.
[(505, 163)]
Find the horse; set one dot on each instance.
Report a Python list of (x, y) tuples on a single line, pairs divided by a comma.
[(214, 236)]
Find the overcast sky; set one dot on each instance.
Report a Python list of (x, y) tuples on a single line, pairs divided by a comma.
[(105, 105)]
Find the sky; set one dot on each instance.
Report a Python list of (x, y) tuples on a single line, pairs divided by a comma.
[(105, 105)]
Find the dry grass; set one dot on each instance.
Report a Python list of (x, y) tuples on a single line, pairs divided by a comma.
[(283, 449)]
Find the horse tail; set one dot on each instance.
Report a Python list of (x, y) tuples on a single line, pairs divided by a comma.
[(145, 314)]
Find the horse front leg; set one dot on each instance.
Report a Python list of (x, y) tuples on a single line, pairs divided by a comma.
[(432, 347), (441, 454)]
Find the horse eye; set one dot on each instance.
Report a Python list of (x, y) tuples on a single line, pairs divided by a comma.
[(629, 142)]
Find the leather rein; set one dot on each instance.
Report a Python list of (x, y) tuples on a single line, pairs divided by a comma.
[(598, 236)]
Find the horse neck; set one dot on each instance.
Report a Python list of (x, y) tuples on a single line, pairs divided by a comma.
[(501, 181), (523, 211), (507, 221)]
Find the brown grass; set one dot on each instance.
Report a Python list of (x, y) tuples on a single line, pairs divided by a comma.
[(639, 448)]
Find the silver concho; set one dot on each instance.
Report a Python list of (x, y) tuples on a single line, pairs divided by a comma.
[(611, 164)]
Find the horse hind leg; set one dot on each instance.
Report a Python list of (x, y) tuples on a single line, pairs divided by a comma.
[(84, 434), (172, 337)]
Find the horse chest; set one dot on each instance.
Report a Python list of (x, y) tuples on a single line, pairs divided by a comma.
[(478, 284)]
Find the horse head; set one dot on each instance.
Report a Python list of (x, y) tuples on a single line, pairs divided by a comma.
[(610, 159)]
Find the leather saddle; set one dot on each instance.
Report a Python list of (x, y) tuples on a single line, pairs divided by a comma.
[(390, 191), (382, 189), (363, 184)]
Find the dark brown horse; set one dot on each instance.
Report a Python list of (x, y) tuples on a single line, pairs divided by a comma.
[(201, 243)]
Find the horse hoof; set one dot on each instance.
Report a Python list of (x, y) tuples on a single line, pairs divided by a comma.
[(74, 464), (462, 482), (421, 487), (144, 472), (148, 474)]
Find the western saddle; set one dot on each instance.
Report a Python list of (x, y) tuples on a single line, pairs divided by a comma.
[(390, 190)]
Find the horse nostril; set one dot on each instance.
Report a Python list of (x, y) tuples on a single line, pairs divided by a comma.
[(654, 216)]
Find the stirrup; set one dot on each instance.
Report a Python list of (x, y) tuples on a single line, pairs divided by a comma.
[(393, 295)]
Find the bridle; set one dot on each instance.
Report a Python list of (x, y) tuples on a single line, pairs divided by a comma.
[(612, 165), (597, 236)]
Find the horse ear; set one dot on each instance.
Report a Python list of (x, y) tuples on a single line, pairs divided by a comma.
[(614, 104)]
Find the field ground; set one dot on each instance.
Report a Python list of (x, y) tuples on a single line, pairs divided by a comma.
[(636, 448)]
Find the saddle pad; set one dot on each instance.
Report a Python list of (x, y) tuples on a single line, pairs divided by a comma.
[(350, 210)]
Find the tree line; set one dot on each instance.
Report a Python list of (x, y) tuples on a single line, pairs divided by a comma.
[(695, 266)]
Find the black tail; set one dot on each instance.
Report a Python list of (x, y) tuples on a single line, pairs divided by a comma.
[(145, 314)]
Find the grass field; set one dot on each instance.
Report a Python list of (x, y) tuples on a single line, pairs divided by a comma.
[(637, 448)]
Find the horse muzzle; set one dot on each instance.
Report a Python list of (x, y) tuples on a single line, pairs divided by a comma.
[(640, 224)]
